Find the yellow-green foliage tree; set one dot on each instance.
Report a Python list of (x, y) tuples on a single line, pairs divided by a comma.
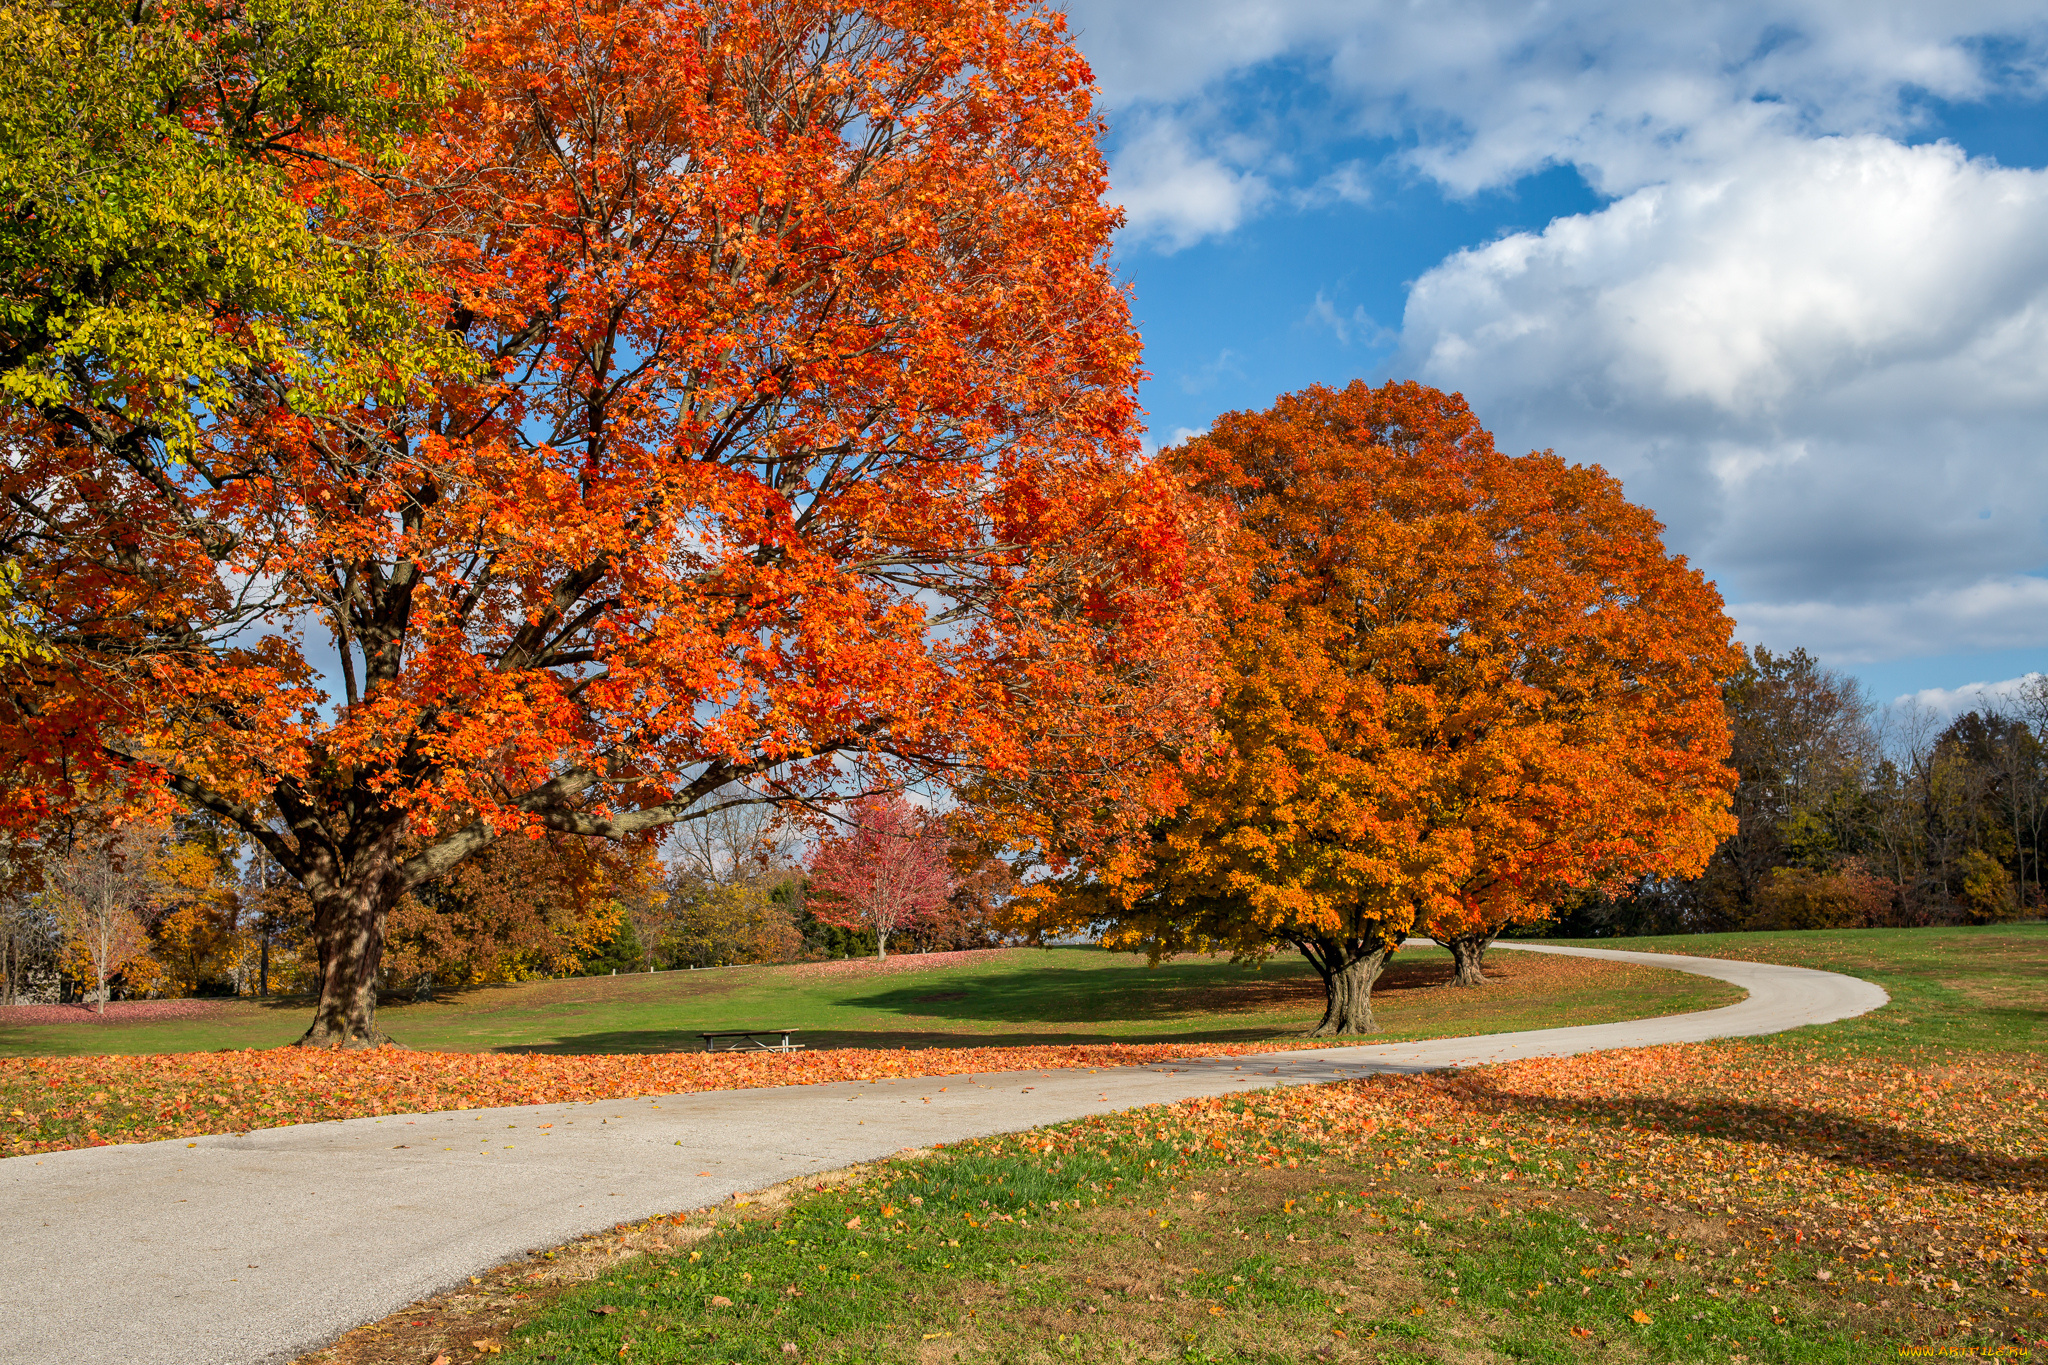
[(161, 252), (1459, 684), (716, 924)]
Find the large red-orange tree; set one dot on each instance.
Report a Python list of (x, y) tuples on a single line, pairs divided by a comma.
[(1458, 684), (789, 443)]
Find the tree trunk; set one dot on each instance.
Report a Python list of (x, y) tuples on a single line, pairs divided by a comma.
[(881, 946), (1348, 967), (348, 928), (1468, 955)]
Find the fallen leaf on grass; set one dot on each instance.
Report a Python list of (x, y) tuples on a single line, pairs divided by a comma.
[(720, 1301), (603, 1310), (1640, 1316)]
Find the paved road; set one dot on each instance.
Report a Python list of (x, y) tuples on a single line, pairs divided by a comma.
[(235, 1250)]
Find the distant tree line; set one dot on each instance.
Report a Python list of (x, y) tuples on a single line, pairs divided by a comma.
[(105, 909), (1850, 815)]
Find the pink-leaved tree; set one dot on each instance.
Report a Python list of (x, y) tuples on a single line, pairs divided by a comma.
[(887, 873)]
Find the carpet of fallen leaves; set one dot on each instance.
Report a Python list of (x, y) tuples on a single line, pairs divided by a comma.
[(50, 1104), (1929, 1172), (902, 962), (116, 1012), (55, 1103)]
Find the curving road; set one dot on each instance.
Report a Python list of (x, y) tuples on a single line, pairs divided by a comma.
[(234, 1250)]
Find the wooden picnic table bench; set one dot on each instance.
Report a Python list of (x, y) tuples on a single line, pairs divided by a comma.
[(750, 1040)]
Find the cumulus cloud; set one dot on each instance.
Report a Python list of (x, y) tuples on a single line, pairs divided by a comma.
[(1825, 363), (1173, 195), (1819, 352), (1491, 89)]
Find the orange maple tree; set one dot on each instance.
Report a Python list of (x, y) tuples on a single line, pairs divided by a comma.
[(792, 445), (1459, 684)]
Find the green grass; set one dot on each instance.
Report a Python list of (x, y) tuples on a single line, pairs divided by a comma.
[(1100, 1256), (1096, 1248), (1027, 996), (1977, 988)]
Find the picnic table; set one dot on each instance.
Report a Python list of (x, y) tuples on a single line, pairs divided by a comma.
[(750, 1040)]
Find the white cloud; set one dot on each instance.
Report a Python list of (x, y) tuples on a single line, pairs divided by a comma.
[(1174, 196), (1492, 89), (1146, 52), (1948, 702), (1825, 364), (1793, 269), (1821, 354), (1498, 88), (1991, 613), (1484, 92), (1350, 183)]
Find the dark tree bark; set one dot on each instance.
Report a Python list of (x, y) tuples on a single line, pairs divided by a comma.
[(349, 929), (1468, 955), (1348, 967), (350, 907)]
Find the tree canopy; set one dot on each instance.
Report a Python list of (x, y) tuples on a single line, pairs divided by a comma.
[(773, 423), (1458, 684)]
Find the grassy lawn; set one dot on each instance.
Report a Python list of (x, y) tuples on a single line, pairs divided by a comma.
[(1014, 998), (1836, 1195), (1977, 988)]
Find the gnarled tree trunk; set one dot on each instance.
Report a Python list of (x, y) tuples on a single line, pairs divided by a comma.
[(348, 928), (1468, 955), (1348, 967)]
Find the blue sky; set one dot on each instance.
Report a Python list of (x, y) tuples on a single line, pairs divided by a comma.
[(1783, 267)]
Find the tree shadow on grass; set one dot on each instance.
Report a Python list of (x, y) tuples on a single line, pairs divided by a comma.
[(826, 1040), (1061, 995), (1831, 1137)]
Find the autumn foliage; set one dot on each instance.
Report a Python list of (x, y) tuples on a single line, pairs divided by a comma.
[(886, 874), (757, 408), (521, 908), (1460, 684)]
